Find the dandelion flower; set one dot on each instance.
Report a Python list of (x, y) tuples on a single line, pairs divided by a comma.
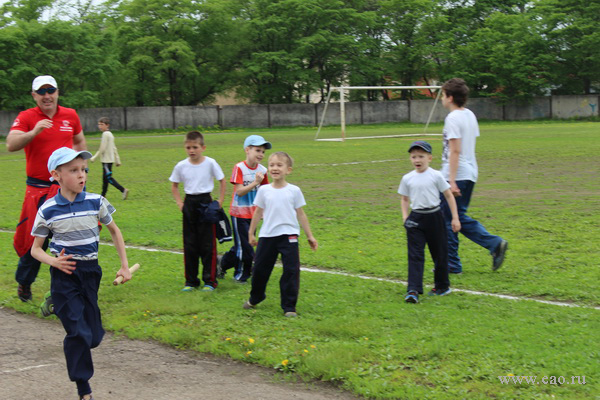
[(249, 352), (285, 362), (250, 340), (228, 338), (306, 351), (312, 346)]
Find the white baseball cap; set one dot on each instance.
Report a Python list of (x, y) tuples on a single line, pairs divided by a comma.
[(64, 155), (43, 80)]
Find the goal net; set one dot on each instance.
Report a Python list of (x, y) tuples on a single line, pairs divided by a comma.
[(342, 107)]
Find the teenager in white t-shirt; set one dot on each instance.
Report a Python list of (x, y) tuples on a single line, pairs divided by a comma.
[(459, 167), (420, 191), (197, 173), (280, 206)]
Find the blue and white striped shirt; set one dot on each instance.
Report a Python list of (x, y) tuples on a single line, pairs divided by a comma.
[(74, 226)]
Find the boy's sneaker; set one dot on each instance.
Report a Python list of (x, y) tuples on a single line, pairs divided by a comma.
[(24, 293), (290, 314), (208, 288), (248, 306), (437, 292), (125, 193), (47, 306), (188, 289), (498, 255), (412, 297)]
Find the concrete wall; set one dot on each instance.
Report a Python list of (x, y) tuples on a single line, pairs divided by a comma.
[(6, 120), (420, 110), (388, 111), (293, 114), (574, 106), (149, 117), (247, 116), (89, 118), (539, 107), (263, 116), (196, 116)]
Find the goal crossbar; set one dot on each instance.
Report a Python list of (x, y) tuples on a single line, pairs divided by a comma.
[(342, 89)]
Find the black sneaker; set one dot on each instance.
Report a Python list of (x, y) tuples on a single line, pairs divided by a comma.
[(24, 293), (498, 255), (412, 297), (436, 292), (220, 270)]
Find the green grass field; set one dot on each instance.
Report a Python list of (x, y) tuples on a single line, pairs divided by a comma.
[(537, 189)]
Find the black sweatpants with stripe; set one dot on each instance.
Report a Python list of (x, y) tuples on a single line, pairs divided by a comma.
[(427, 229), (199, 243), (267, 251)]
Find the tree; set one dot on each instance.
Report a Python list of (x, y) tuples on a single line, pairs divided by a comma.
[(571, 28), (296, 47)]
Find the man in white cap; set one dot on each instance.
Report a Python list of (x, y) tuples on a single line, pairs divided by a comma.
[(39, 131)]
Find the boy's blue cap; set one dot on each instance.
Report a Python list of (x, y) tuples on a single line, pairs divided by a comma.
[(64, 155), (255, 140), (421, 145)]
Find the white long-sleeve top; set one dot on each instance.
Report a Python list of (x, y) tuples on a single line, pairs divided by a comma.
[(108, 151)]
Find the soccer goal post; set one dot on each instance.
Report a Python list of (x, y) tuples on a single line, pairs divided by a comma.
[(342, 90)]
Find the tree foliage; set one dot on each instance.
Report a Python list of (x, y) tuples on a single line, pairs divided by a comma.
[(184, 52)]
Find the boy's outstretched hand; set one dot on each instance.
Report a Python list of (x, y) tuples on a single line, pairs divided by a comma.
[(62, 262), (313, 243), (125, 273)]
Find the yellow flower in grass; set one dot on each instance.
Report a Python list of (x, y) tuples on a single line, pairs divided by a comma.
[(249, 352), (195, 317), (510, 375), (227, 338), (250, 340), (285, 362), (306, 351), (312, 346)]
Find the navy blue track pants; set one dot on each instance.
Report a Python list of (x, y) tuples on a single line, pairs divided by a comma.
[(76, 305)]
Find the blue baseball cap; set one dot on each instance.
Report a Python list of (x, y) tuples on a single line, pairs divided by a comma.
[(421, 145), (64, 155), (255, 140)]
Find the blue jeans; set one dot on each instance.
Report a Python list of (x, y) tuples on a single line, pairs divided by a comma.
[(471, 228)]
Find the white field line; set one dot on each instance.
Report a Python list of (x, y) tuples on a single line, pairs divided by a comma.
[(9, 371), (331, 272)]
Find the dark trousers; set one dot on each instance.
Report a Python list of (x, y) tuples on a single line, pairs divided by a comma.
[(469, 227), (199, 243), (108, 178), (266, 255), (28, 267), (241, 254), (76, 305), (427, 229)]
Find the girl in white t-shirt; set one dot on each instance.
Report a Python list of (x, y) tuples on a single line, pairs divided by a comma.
[(281, 205)]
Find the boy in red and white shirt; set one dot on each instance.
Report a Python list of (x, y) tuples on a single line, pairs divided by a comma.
[(247, 176)]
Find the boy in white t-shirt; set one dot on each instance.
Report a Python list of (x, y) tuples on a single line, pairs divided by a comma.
[(420, 189), (197, 173), (281, 205), (459, 167)]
